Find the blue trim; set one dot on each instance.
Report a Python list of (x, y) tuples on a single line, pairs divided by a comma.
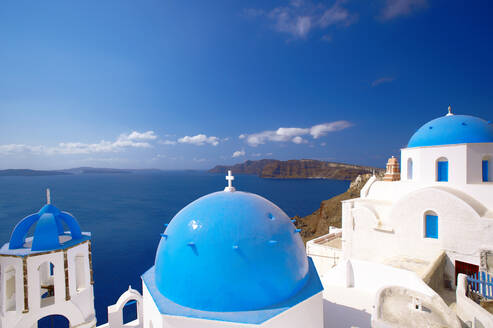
[(485, 170), (165, 306), (442, 171), (454, 129), (431, 226), (6, 250)]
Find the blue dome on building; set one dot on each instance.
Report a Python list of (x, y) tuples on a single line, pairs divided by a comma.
[(230, 251), (49, 231), (452, 129)]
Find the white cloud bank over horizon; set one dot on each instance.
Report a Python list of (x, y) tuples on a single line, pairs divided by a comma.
[(294, 135), (132, 140)]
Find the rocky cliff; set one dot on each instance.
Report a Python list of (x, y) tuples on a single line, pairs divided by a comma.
[(297, 169), (330, 211)]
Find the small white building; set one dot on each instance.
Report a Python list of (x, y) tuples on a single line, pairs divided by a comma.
[(48, 273)]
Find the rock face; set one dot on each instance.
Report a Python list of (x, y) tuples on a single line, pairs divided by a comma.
[(330, 211), (297, 169)]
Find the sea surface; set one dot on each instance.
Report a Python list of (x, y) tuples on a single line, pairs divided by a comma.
[(126, 213)]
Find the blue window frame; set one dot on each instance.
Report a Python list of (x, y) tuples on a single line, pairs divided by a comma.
[(431, 226), (485, 170), (442, 171), (52, 267)]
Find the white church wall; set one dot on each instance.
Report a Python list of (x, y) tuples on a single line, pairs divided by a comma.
[(79, 310), (308, 313), (424, 167), (11, 275), (34, 280), (82, 295), (461, 231), (152, 316), (475, 155)]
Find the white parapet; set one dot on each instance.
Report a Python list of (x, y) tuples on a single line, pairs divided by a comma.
[(326, 251), (115, 311), (469, 311)]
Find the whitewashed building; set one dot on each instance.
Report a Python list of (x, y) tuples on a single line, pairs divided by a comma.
[(430, 223)]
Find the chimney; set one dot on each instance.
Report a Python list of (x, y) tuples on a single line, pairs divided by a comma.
[(393, 172)]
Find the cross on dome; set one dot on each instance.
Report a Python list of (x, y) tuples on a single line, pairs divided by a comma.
[(449, 111), (230, 179), (48, 196)]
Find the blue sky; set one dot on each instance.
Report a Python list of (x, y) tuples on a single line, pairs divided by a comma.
[(192, 84)]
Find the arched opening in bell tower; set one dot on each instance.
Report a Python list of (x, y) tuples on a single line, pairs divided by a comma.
[(46, 272)]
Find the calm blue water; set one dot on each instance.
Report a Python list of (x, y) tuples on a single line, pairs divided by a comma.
[(126, 213)]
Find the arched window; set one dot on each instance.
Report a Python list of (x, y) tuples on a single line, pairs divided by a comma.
[(80, 273), (51, 321), (10, 294), (431, 225), (130, 312), (409, 168), (487, 171), (442, 169), (46, 283)]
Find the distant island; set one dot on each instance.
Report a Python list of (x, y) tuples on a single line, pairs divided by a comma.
[(298, 169)]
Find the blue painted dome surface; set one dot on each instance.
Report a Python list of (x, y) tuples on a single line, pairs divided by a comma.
[(49, 227), (452, 129), (230, 251)]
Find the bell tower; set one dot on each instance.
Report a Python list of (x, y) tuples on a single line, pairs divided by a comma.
[(48, 273)]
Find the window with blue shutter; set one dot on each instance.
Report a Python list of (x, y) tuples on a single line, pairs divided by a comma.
[(485, 170), (442, 171), (431, 226)]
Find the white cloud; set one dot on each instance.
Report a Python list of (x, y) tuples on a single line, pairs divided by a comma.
[(200, 140), (382, 80), (300, 17), (20, 148), (294, 134), (148, 135), (396, 8), (69, 148), (167, 142), (321, 130), (238, 153), (298, 140), (200, 160)]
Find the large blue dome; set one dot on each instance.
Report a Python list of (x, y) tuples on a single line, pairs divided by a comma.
[(452, 129), (230, 251)]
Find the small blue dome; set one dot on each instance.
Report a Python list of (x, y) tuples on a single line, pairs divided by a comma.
[(48, 229), (452, 129), (230, 251)]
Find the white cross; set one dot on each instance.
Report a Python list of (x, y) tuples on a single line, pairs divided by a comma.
[(230, 179), (48, 196)]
